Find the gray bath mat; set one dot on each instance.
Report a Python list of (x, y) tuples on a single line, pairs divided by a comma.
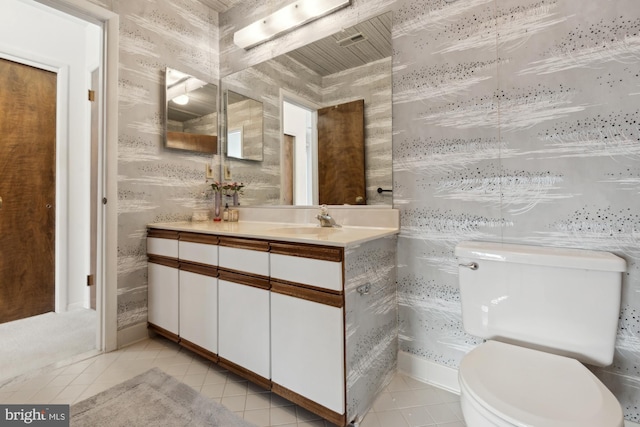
[(152, 399)]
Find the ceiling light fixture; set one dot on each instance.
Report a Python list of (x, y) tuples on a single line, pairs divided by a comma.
[(181, 99), (285, 20)]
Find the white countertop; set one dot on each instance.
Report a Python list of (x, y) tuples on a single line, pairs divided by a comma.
[(287, 232)]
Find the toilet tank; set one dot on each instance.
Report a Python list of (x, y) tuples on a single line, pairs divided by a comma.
[(563, 301)]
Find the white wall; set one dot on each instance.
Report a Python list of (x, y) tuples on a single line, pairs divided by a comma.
[(44, 37)]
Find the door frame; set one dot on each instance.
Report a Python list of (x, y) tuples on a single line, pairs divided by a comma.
[(292, 98), (107, 226)]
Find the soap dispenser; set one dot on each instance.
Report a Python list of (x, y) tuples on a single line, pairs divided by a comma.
[(225, 213)]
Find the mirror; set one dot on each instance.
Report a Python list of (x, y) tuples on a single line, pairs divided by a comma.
[(191, 113), (244, 127), (349, 66)]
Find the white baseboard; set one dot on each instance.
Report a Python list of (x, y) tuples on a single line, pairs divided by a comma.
[(429, 372), (439, 375), (132, 334)]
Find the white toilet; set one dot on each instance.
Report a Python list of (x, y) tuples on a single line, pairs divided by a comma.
[(542, 312)]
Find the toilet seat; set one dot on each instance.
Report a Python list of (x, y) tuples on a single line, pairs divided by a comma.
[(526, 387)]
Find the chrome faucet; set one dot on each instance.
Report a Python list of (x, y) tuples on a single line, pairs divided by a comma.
[(325, 219)]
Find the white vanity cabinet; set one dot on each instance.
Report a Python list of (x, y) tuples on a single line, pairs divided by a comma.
[(307, 327), (313, 323), (244, 309), (183, 288), (198, 296), (163, 282)]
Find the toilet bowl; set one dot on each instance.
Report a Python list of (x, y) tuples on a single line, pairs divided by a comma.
[(506, 385)]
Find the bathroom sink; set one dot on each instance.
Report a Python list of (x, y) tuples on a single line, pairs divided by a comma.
[(305, 230)]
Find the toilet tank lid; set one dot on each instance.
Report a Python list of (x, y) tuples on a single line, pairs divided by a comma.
[(538, 255)]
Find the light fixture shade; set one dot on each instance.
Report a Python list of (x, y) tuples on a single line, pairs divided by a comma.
[(284, 20), (181, 100)]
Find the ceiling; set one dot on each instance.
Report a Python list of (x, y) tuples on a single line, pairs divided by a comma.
[(361, 44), (337, 52), (221, 6)]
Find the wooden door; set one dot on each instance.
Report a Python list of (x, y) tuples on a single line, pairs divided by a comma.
[(288, 169), (27, 189), (341, 176)]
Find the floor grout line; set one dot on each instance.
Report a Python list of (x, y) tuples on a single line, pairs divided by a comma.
[(405, 402)]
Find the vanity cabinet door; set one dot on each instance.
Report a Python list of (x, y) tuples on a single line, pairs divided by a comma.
[(199, 310), (307, 351), (162, 282), (244, 327), (163, 297)]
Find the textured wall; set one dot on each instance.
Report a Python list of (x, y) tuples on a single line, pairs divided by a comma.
[(371, 322), (513, 120), (154, 183)]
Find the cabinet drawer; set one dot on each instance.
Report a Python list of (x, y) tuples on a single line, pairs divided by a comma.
[(244, 260), (198, 252), (313, 272), (162, 247)]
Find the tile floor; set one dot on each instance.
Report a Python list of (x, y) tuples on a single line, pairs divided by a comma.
[(404, 403)]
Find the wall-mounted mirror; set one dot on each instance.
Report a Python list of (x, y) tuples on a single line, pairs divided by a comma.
[(191, 113), (349, 66), (244, 127)]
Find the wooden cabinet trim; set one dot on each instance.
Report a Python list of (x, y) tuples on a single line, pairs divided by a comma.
[(325, 253), (310, 405), (261, 282), (163, 234), (161, 331), (163, 260), (204, 269), (305, 286), (199, 350), (242, 243), (321, 297), (208, 239), (245, 373)]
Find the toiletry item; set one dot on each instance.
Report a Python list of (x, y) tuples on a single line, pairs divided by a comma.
[(225, 213), (234, 215)]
